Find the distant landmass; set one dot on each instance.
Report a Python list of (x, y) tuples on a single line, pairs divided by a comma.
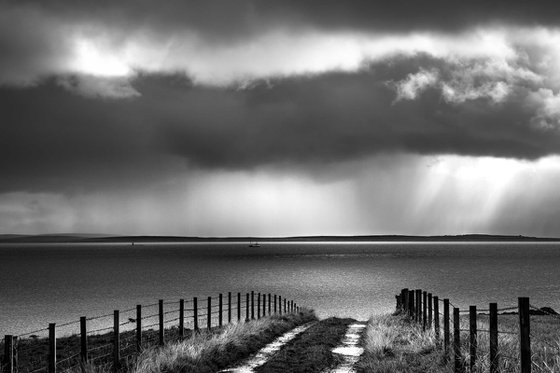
[(92, 238)]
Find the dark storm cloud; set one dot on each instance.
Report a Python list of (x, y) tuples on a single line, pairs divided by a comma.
[(227, 18), (53, 139)]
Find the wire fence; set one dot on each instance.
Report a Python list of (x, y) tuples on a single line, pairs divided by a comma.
[(115, 338), (512, 338)]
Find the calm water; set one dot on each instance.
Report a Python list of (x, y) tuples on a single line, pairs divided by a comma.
[(57, 283)]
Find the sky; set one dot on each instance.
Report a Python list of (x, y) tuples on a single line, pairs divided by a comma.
[(279, 117)]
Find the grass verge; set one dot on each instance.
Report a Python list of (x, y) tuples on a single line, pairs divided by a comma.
[(210, 352), (311, 351), (393, 344)]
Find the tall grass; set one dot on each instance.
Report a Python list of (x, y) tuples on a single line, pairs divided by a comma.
[(545, 344), (210, 352), (393, 344)]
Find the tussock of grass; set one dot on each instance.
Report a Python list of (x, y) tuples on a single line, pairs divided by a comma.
[(393, 344), (210, 352)]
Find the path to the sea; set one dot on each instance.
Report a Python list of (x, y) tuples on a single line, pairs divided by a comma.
[(268, 351), (349, 349)]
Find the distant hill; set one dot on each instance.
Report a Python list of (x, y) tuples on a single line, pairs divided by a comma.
[(68, 238)]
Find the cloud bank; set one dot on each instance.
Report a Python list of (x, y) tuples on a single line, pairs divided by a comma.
[(103, 100)]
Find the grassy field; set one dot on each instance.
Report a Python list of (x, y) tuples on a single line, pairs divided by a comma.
[(210, 352), (392, 343), (545, 343)]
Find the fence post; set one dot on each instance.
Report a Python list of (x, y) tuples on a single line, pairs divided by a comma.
[(280, 304), (220, 312), (424, 309), (411, 303), (275, 296), (419, 305), (252, 305), (457, 340), (285, 310), (83, 340), (269, 304), (246, 306), (195, 314), (52, 348), (493, 337), (181, 318), (229, 307), (238, 307), (9, 354), (430, 313), (524, 334), (436, 316), (161, 332), (446, 326), (404, 299), (116, 341), (473, 341), (264, 304), (258, 306), (209, 314), (138, 328)]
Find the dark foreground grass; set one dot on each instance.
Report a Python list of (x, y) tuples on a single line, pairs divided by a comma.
[(210, 352), (393, 344), (311, 351)]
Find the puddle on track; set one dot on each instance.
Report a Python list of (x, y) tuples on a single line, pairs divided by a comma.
[(267, 351), (349, 349)]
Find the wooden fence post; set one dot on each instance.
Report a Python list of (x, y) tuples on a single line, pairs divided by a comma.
[(258, 306), (285, 310), (195, 314), (238, 307), (83, 340), (436, 316), (524, 334), (275, 303), (247, 307), (161, 331), (430, 313), (446, 326), (181, 319), (264, 305), (473, 341), (116, 341), (280, 304), (209, 314), (411, 303), (229, 307), (220, 312), (419, 305), (424, 309), (404, 293), (252, 305), (457, 340), (9, 354), (138, 328), (493, 337), (52, 348), (269, 304)]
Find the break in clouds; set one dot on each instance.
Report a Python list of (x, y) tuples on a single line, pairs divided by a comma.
[(133, 98)]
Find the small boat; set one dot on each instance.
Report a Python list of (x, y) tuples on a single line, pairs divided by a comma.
[(254, 244)]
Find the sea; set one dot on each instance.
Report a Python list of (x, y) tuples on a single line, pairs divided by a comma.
[(59, 283)]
